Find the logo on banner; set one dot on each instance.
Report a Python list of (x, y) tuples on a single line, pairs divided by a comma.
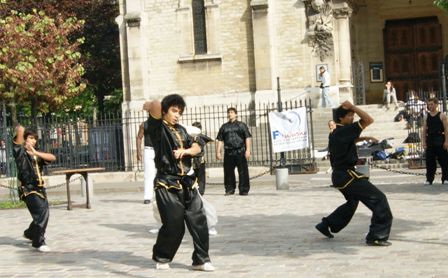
[(289, 130)]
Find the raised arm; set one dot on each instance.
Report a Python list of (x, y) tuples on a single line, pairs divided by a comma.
[(154, 108), (18, 138), (366, 120)]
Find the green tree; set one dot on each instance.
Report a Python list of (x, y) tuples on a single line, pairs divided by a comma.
[(443, 4), (40, 60), (100, 51)]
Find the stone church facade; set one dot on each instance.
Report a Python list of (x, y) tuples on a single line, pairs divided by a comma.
[(233, 51)]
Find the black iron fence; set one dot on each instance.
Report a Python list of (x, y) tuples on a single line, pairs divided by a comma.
[(109, 140), (414, 114)]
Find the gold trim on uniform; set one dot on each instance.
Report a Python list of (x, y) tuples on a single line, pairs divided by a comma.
[(353, 175)]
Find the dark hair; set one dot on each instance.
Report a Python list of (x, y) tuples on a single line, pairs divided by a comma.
[(197, 124), (30, 132), (434, 100), (340, 112), (173, 100), (232, 109)]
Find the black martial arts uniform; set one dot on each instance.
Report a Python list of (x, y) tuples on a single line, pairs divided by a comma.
[(435, 137), (32, 192), (178, 200), (355, 186), (234, 135)]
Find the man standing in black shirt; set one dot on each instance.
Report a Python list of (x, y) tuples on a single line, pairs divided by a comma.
[(29, 163), (435, 142), (177, 198), (236, 138), (352, 184)]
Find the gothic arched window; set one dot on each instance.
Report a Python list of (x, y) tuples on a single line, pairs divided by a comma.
[(199, 32)]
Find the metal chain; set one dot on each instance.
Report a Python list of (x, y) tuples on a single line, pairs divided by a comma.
[(250, 178), (399, 171), (48, 187)]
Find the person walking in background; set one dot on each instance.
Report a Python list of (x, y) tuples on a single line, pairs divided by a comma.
[(390, 95), (435, 141), (325, 80), (148, 161), (177, 198), (3, 158), (32, 191), (199, 160), (236, 138), (352, 184)]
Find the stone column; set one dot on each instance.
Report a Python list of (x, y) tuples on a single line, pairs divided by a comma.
[(342, 13), (262, 50), (134, 55)]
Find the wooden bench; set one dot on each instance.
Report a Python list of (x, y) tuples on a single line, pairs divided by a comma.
[(84, 172)]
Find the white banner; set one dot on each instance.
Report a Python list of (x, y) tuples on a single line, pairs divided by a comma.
[(289, 130)]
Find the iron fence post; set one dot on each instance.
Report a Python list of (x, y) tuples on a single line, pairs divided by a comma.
[(280, 109)]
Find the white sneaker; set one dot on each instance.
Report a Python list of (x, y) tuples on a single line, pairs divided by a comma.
[(204, 267), (154, 231), (213, 232), (445, 182), (428, 183), (43, 248), (162, 266)]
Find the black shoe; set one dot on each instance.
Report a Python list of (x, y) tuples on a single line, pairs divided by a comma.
[(230, 193), (244, 193), (321, 227), (378, 242), (27, 237), (146, 202)]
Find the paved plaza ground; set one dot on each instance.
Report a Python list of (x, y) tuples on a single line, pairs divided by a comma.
[(269, 233)]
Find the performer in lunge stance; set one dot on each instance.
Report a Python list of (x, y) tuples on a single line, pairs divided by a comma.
[(29, 163), (353, 185), (177, 199)]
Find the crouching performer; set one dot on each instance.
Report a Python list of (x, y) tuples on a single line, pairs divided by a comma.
[(29, 163), (177, 199), (353, 185)]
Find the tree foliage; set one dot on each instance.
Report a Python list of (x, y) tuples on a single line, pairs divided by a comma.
[(40, 59), (443, 4), (100, 51)]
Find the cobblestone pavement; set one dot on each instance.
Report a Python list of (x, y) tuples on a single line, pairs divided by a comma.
[(269, 233)]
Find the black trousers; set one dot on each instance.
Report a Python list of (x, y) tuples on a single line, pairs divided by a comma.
[(177, 208), (232, 160), (362, 190), (200, 175), (40, 212), (434, 153)]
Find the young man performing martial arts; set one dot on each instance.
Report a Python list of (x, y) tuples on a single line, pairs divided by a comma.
[(29, 163), (353, 185), (178, 200)]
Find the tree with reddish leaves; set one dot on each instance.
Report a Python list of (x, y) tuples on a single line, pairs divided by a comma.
[(100, 51), (40, 60)]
